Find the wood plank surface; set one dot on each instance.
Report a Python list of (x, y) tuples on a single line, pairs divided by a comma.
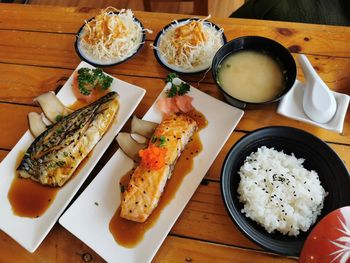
[(57, 50), (306, 38), (215, 169), (58, 246), (61, 246), (220, 8), (13, 123), (177, 249), (37, 55)]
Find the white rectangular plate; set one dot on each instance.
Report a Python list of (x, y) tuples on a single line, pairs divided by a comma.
[(90, 222), (30, 232)]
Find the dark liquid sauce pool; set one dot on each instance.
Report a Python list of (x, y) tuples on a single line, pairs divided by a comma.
[(31, 199), (129, 233)]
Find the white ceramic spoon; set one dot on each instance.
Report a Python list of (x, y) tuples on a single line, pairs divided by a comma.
[(318, 102)]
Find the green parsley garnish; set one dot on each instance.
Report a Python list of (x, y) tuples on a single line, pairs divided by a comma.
[(58, 118), (172, 92), (89, 79), (59, 130), (176, 90), (170, 77), (162, 140), (154, 139), (183, 89)]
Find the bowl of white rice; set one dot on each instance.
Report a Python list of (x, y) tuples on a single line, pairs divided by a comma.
[(278, 182)]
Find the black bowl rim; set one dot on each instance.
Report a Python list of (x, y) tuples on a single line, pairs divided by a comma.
[(77, 49), (225, 196), (256, 103), (161, 32)]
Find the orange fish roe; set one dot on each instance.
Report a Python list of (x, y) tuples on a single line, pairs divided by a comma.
[(153, 157)]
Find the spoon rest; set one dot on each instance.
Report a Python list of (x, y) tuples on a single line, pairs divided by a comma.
[(293, 103)]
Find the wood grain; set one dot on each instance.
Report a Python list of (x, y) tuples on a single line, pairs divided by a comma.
[(177, 249), (57, 50), (307, 38), (215, 169), (3, 154), (217, 8), (206, 218), (61, 246), (58, 246), (13, 123), (37, 55)]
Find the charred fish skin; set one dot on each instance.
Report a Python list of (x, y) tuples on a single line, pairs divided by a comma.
[(55, 154)]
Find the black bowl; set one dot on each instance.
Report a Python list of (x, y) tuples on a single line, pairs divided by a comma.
[(97, 64), (170, 67), (318, 156), (264, 45)]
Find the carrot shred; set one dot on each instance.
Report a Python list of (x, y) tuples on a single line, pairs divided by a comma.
[(153, 157)]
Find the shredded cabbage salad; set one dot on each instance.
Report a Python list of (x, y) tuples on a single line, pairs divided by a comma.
[(111, 36), (191, 44)]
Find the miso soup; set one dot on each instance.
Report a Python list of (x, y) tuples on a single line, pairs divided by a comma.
[(251, 76)]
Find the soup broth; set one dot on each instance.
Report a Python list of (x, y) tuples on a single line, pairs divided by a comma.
[(251, 76)]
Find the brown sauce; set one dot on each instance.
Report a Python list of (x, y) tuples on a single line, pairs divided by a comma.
[(199, 118), (128, 233), (31, 199)]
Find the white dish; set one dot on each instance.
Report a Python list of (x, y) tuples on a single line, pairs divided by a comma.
[(29, 232), (84, 54), (171, 67), (291, 106), (105, 191)]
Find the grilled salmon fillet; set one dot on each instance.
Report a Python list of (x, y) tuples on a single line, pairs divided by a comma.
[(55, 154), (147, 183)]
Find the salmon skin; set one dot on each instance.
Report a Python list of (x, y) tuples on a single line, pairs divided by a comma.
[(55, 154), (146, 185)]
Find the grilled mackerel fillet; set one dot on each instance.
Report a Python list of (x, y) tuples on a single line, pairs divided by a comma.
[(146, 185), (55, 154)]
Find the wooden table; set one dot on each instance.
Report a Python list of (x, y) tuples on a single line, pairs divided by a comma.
[(37, 55)]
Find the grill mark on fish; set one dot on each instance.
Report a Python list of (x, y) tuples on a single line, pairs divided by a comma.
[(54, 155)]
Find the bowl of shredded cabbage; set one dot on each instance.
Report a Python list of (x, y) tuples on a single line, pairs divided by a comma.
[(187, 46), (110, 38)]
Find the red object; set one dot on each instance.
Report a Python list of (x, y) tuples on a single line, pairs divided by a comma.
[(329, 241)]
